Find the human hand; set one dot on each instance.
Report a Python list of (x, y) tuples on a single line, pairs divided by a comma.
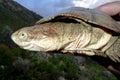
[(112, 9)]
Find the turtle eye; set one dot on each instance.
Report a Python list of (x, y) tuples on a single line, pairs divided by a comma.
[(22, 35)]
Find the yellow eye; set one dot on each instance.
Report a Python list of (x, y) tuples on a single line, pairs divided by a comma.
[(22, 35)]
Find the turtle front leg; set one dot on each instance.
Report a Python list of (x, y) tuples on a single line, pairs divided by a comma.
[(85, 51)]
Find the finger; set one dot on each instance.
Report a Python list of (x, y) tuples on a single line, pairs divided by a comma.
[(112, 8)]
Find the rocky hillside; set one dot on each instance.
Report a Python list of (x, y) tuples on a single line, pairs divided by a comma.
[(14, 15)]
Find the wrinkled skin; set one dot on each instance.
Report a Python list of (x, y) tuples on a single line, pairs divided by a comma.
[(81, 38), (50, 37)]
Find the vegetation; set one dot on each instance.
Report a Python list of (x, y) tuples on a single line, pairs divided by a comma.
[(14, 15), (18, 64)]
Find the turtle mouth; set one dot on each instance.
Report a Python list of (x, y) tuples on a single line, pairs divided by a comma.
[(19, 42), (28, 46), (13, 38), (33, 47), (24, 45)]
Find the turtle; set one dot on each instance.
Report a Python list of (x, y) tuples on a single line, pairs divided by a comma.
[(75, 30)]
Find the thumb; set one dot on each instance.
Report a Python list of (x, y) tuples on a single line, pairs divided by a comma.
[(112, 9)]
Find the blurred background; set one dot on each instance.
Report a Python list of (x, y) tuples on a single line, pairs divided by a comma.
[(19, 64), (48, 7)]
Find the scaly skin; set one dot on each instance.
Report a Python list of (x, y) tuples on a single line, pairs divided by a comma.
[(114, 51)]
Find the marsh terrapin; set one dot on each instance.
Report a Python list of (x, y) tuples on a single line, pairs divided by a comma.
[(75, 30)]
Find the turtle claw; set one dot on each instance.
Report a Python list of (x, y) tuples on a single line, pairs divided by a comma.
[(99, 53)]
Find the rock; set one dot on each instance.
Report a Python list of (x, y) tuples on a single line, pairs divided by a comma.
[(42, 55), (81, 67), (61, 78), (22, 64), (80, 62), (2, 67), (5, 36), (107, 73)]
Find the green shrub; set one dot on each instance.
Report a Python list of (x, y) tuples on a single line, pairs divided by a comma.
[(53, 68), (18, 64), (16, 61)]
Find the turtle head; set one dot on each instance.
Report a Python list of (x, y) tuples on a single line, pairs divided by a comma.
[(36, 38), (21, 38)]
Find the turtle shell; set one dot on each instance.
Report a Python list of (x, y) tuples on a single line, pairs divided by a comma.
[(91, 16)]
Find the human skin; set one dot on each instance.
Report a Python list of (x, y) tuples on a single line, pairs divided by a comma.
[(112, 9)]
